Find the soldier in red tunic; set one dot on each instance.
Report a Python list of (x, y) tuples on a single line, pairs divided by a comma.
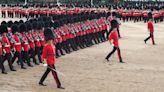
[(17, 46), (113, 39), (150, 27), (49, 58), (1, 56), (25, 44), (28, 35), (6, 47), (36, 38)]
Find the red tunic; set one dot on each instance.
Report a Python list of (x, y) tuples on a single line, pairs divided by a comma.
[(31, 41), (1, 51), (17, 45), (49, 53), (7, 44), (114, 36), (37, 42), (59, 39), (25, 45), (150, 26), (42, 42)]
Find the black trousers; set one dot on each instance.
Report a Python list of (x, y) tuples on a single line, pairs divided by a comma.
[(25, 57), (59, 47), (150, 36), (65, 46), (53, 73), (114, 49), (32, 55), (1, 63), (8, 57), (118, 30), (19, 56), (3, 15), (38, 53)]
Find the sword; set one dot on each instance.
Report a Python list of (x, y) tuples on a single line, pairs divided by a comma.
[(60, 73)]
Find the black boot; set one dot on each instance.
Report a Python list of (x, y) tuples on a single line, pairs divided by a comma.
[(145, 41), (22, 67), (12, 68), (4, 72), (60, 87), (30, 65), (41, 84)]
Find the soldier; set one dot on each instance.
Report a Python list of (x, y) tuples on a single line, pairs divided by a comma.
[(49, 59), (6, 47), (3, 12), (28, 35), (17, 46), (25, 44), (40, 34), (150, 27), (37, 39), (113, 39), (1, 56)]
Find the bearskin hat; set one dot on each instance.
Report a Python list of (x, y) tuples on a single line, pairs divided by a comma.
[(114, 23), (16, 22), (22, 28), (150, 16), (3, 29), (39, 26), (21, 21), (29, 26), (14, 28), (10, 23), (35, 25), (114, 13), (3, 23), (48, 34)]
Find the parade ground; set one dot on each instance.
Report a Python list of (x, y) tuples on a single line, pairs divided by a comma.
[(86, 70)]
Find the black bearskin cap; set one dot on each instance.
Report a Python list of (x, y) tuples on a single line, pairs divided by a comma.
[(48, 34), (29, 26), (114, 14), (150, 16), (39, 26), (10, 23), (114, 23), (3, 23), (21, 21), (14, 28), (35, 25), (3, 29), (22, 28)]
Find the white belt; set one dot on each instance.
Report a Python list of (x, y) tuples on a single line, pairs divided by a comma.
[(7, 45), (17, 43)]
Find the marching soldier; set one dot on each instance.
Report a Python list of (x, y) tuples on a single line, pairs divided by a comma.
[(113, 39), (28, 35), (150, 27), (6, 47), (25, 45), (1, 57), (49, 59), (37, 39), (17, 46)]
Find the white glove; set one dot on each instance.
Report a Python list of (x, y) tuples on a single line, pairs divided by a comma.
[(112, 45), (44, 65)]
